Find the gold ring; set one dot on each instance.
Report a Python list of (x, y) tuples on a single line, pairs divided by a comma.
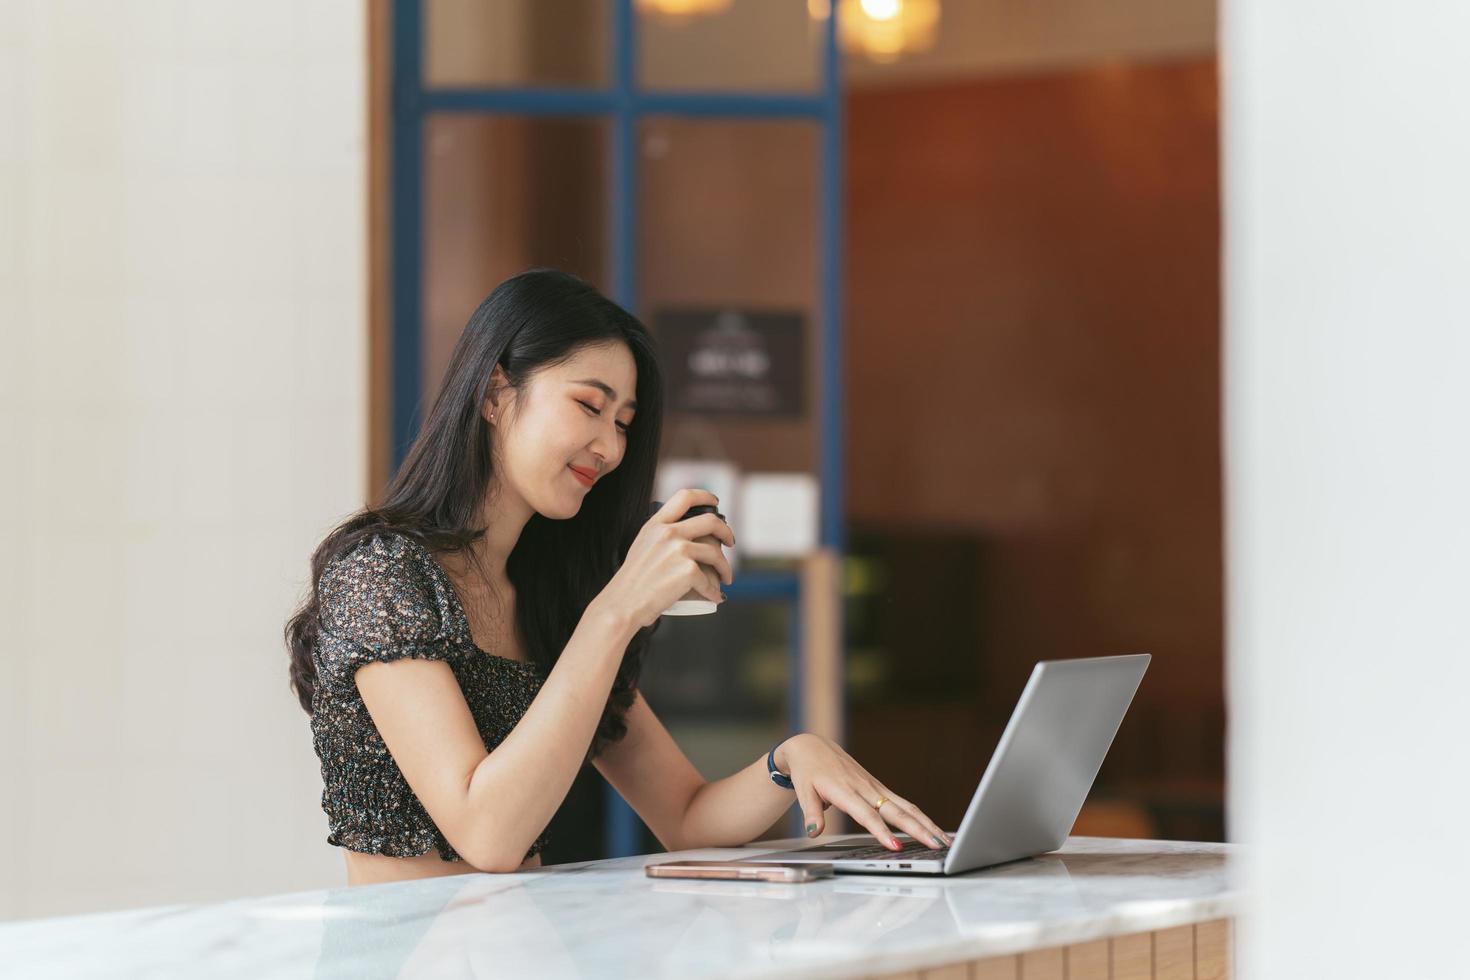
[(881, 800)]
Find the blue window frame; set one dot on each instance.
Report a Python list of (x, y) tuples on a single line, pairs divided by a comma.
[(623, 104)]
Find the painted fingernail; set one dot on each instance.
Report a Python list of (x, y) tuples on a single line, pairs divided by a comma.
[(893, 843), (811, 830), (937, 842)]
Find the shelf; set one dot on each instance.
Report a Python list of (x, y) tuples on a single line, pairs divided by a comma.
[(764, 586)]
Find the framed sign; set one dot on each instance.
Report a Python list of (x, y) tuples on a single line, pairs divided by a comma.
[(734, 362)]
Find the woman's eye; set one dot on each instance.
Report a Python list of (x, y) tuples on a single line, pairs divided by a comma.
[(594, 411)]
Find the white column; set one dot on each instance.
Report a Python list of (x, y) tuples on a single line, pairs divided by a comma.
[(1347, 205), (182, 415)]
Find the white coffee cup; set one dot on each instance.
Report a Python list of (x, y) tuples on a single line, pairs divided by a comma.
[(693, 602)]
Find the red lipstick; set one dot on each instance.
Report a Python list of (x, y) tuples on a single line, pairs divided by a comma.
[(585, 477)]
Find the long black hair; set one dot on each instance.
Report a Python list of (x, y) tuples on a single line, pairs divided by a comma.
[(534, 320)]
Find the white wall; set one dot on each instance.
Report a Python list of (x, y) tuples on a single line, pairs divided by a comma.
[(1347, 205), (182, 415)]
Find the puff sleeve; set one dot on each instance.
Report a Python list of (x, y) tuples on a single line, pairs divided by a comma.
[(379, 602)]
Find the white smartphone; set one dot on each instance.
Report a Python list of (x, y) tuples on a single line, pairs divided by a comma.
[(739, 871)]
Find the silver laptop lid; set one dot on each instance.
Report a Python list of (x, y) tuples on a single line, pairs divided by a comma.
[(1046, 760)]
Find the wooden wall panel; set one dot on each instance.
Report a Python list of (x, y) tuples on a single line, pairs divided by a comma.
[(996, 968), (379, 257), (954, 971), (1044, 964), (1213, 947), (1191, 952), (1133, 957), (1033, 307), (1174, 953), (1088, 961)]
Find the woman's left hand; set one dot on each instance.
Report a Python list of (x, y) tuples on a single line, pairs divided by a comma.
[(825, 775)]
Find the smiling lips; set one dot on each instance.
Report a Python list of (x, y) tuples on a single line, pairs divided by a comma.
[(585, 477)]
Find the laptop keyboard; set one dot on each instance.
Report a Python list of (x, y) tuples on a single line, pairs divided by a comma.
[(911, 848)]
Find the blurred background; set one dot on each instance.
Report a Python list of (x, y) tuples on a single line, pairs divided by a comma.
[(983, 240), (937, 286)]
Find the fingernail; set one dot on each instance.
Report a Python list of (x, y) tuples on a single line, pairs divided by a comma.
[(893, 843), (937, 842), (811, 830)]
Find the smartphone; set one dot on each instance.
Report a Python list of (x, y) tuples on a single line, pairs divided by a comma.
[(738, 870)]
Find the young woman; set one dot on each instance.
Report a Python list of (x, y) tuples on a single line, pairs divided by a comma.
[(470, 641)]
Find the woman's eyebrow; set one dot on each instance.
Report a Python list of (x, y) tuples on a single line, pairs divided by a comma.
[(606, 389)]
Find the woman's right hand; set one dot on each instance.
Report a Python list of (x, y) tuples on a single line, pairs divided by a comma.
[(665, 561)]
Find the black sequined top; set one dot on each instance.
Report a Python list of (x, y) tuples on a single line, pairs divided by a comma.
[(389, 598)]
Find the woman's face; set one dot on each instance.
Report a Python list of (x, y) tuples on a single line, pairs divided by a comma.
[(568, 416)]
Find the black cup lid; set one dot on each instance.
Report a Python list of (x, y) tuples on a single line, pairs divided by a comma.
[(694, 511)]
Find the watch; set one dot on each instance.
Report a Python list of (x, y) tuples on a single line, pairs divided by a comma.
[(777, 776)]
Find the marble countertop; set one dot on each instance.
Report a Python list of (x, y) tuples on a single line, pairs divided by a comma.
[(607, 918)]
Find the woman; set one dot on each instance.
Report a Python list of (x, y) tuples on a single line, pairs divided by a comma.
[(477, 636)]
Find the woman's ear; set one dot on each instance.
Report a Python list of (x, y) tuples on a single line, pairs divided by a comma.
[(499, 384)]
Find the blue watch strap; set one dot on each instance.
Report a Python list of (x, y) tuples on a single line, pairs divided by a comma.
[(777, 776)]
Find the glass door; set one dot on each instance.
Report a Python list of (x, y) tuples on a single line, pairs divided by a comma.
[(684, 158)]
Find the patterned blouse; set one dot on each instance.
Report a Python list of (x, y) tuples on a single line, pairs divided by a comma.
[(389, 598)]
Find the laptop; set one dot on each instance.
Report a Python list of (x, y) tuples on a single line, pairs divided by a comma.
[(1032, 790)]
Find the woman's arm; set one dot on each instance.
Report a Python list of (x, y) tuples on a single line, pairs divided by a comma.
[(649, 770), (685, 812), (734, 809), (491, 807)]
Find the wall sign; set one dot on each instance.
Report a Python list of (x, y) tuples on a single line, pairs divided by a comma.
[(734, 362)]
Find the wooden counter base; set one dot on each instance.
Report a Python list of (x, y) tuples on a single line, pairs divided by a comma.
[(1204, 951)]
